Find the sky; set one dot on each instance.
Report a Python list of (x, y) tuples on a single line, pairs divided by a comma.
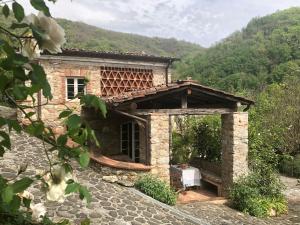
[(204, 22)]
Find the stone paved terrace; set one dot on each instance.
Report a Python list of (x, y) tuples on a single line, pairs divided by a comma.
[(114, 204)]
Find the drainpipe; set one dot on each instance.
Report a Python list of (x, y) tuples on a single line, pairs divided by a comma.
[(146, 131), (167, 71)]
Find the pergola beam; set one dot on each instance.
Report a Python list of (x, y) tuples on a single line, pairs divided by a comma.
[(183, 111)]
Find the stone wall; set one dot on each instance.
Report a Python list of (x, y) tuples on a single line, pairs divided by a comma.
[(159, 145), (234, 148), (59, 68), (8, 113)]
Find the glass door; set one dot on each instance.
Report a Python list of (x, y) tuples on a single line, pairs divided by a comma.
[(130, 140)]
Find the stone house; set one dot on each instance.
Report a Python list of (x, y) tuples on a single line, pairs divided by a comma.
[(141, 98)]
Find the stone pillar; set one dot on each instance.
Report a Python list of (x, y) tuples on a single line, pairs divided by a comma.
[(234, 148), (159, 145)]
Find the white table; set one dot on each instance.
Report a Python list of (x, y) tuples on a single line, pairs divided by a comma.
[(190, 176)]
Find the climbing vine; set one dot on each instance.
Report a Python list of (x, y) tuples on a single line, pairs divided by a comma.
[(22, 78)]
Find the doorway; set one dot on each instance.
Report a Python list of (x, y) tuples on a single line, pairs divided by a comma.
[(130, 140)]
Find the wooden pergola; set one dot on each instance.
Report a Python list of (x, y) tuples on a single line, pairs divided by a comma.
[(154, 106)]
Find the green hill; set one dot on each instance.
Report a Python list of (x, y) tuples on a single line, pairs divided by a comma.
[(266, 51), (81, 35)]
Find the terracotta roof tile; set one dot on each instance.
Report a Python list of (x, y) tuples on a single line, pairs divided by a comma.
[(140, 56), (132, 95)]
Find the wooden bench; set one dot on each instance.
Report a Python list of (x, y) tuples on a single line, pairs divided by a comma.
[(212, 179)]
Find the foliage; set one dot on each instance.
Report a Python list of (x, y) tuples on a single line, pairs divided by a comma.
[(290, 166), (196, 136), (182, 140), (207, 140), (21, 78), (275, 123), (259, 193), (84, 36), (81, 35), (156, 189), (266, 51)]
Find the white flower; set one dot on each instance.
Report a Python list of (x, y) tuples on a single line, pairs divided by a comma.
[(26, 194), (30, 49), (53, 34), (57, 185), (38, 211)]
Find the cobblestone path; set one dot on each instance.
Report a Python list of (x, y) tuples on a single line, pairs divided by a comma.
[(111, 204), (223, 215)]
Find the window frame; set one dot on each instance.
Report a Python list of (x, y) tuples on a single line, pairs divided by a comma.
[(75, 87)]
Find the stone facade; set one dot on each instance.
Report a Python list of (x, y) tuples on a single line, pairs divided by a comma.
[(159, 145), (234, 148), (59, 68)]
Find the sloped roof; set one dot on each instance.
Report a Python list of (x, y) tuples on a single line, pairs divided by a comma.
[(139, 56), (165, 89)]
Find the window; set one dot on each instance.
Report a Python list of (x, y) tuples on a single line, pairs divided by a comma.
[(130, 140), (75, 86)]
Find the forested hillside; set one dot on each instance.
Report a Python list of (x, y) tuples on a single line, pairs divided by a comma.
[(266, 51), (81, 35), (84, 36)]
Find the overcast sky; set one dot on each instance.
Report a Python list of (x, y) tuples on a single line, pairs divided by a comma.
[(200, 21)]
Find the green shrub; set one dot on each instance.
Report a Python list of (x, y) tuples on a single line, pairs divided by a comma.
[(259, 193), (207, 141), (291, 166), (196, 136), (157, 189)]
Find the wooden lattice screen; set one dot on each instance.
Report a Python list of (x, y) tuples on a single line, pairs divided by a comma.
[(116, 80)]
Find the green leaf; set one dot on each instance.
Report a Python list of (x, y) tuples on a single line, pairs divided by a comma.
[(20, 92), (6, 140), (19, 73), (12, 124), (84, 159), (39, 78), (5, 10), (2, 151), (84, 193), (21, 185), (40, 6), (26, 202), (86, 221), (4, 82), (65, 113), (73, 121), (15, 203), (18, 11), (7, 194), (68, 168), (62, 140), (29, 114), (18, 25), (38, 34), (72, 187), (35, 129), (95, 102), (20, 59)]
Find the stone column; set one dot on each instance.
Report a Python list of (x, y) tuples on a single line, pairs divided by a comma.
[(159, 145), (234, 148)]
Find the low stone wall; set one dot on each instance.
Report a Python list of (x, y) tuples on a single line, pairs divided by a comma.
[(123, 177)]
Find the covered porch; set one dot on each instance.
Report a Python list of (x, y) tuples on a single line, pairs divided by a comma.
[(137, 133)]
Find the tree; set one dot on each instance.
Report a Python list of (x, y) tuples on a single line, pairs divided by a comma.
[(22, 78)]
